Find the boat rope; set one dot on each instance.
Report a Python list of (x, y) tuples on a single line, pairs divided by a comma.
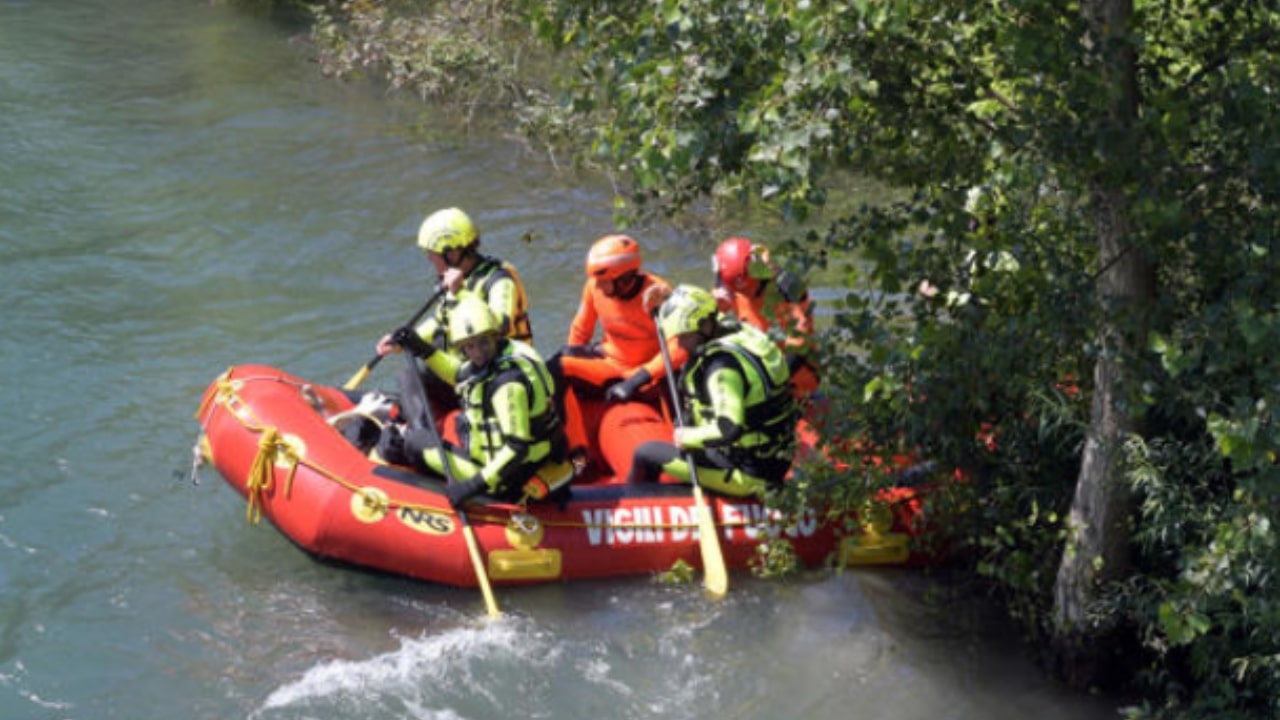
[(272, 447), (275, 449)]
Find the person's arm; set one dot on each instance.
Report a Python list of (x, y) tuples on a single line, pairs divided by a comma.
[(657, 369), (432, 328), (584, 321), (726, 389), (445, 366), (796, 321), (504, 302)]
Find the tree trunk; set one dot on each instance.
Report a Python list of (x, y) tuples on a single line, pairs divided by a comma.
[(1097, 547)]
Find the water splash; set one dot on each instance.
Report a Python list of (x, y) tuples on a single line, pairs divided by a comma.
[(427, 677)]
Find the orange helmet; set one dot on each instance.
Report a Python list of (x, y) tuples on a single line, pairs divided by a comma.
[(733, 262), (613, 256)]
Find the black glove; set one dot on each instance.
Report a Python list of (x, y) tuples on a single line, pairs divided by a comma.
[(622, 392), (409, 339), (460, 492)]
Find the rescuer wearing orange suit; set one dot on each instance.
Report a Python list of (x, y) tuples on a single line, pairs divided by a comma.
[(625, 363), (751, 287)]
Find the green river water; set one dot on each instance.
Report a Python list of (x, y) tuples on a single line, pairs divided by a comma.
[(182, 191)]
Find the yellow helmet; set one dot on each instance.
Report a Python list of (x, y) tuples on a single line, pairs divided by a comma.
[(446, 229), (471, 317), (687, 307)]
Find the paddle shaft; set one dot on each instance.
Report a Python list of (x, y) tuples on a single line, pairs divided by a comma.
[(715, 576), (473, 545), (363, 372)]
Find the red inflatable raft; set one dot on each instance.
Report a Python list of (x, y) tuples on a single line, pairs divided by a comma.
[(268, 433)]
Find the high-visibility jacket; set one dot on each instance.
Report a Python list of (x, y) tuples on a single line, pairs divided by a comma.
[(740, 400), (782, 307), (497, 283), (508, 418)]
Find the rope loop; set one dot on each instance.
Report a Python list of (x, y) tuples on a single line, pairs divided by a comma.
[(272, 447)]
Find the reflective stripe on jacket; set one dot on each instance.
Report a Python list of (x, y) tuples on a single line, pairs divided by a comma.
[(508, 417), (740, 381)]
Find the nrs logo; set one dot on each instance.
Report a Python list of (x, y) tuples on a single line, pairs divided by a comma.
[(429, 523)]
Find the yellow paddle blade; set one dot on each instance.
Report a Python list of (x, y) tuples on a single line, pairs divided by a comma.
[(473, 547), (715, 574)]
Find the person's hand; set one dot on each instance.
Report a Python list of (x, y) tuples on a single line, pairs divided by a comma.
[(409, 339), (680, 437), (653, 297), (724, 299), (460, 492), (387, 346), (452, 279), (625, 390)]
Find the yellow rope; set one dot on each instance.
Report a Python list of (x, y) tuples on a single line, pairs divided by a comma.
[(272, 444), (260, 475)]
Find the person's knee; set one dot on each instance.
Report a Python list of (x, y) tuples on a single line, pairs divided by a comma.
[(419, 440)]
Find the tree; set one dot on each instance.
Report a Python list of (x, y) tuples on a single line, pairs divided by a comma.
[(1056, 160), (1097, 548)]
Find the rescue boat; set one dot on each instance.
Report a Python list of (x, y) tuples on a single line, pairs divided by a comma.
[(272, 437)]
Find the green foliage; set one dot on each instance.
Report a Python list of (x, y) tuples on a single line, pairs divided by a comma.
[(775, 558), (986, 367), (680, 573), (448, 52)]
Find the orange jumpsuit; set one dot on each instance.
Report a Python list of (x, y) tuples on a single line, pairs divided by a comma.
[(629, 338), (766, 305)]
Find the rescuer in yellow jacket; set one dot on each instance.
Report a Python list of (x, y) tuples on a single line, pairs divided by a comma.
[(452, 244), (506, 425), (743, 415)]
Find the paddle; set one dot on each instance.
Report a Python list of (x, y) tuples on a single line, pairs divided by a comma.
[(363, 372), (715, 576), (473, 546)]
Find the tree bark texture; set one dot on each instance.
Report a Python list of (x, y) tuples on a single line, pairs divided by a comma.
[(1098, 544)]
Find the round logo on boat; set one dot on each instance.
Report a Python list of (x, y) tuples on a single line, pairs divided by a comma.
[(369, 504), (297, 449), (426, 521)]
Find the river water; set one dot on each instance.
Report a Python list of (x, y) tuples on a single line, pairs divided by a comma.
[(182, 191)]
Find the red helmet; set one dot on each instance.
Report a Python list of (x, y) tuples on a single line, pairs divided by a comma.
[(613, 256), (733, 261)]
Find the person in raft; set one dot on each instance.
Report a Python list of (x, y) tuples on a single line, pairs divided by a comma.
[(620, 297), (755, 290), (742, 413), (451, 243), (624, 364), (512, 443)]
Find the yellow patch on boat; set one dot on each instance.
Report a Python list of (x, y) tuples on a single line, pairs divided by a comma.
[(543, 564), (874, 549)]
